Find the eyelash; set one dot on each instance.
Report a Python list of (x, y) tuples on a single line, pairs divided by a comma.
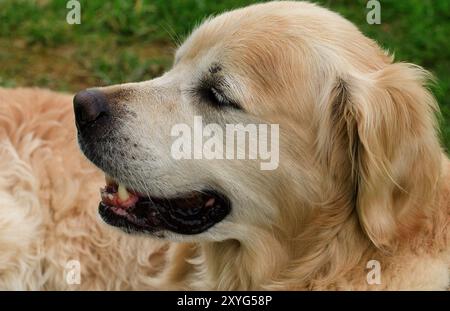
[(217, 97)]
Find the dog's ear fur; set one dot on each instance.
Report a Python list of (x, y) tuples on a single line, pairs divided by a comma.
[(382, 138)]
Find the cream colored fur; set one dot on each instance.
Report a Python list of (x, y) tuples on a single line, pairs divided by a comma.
[(48, 198), (362, 175)]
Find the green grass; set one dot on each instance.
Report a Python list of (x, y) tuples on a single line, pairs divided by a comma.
[(133, 40)]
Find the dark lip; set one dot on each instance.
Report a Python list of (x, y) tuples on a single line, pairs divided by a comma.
[(154, 215)]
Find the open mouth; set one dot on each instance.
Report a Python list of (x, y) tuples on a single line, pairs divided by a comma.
[(190, 213)]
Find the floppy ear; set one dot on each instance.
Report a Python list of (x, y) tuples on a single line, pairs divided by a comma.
[(383, 131)]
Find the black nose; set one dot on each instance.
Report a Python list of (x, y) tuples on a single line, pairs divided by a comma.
[(89, 105)]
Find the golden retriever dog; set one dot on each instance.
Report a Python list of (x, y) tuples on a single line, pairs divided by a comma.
[(362, 186)]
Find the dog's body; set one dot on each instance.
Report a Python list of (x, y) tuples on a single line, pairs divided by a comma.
[(48, 197), (362, 179)]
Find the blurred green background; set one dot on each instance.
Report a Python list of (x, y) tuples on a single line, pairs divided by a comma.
[(119, 41)]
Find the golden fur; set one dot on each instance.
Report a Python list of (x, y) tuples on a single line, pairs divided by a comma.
[(362, 175)]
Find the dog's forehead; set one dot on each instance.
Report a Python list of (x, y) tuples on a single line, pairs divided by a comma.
[(211, 34), (255, 47), (234, 32), (245, 43)]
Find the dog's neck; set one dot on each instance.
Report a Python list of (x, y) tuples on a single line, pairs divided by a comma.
[(236, 264), (268, 258), (268, 261)]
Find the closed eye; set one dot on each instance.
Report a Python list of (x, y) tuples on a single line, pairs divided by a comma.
[(216, 98)]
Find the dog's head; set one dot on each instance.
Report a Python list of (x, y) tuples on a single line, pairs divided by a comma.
[(356, 132)]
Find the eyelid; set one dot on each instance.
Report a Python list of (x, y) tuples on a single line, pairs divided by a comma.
[(219, 95), (224, 100), (208, 88)]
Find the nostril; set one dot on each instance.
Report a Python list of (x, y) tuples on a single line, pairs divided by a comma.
[(89, 105)]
